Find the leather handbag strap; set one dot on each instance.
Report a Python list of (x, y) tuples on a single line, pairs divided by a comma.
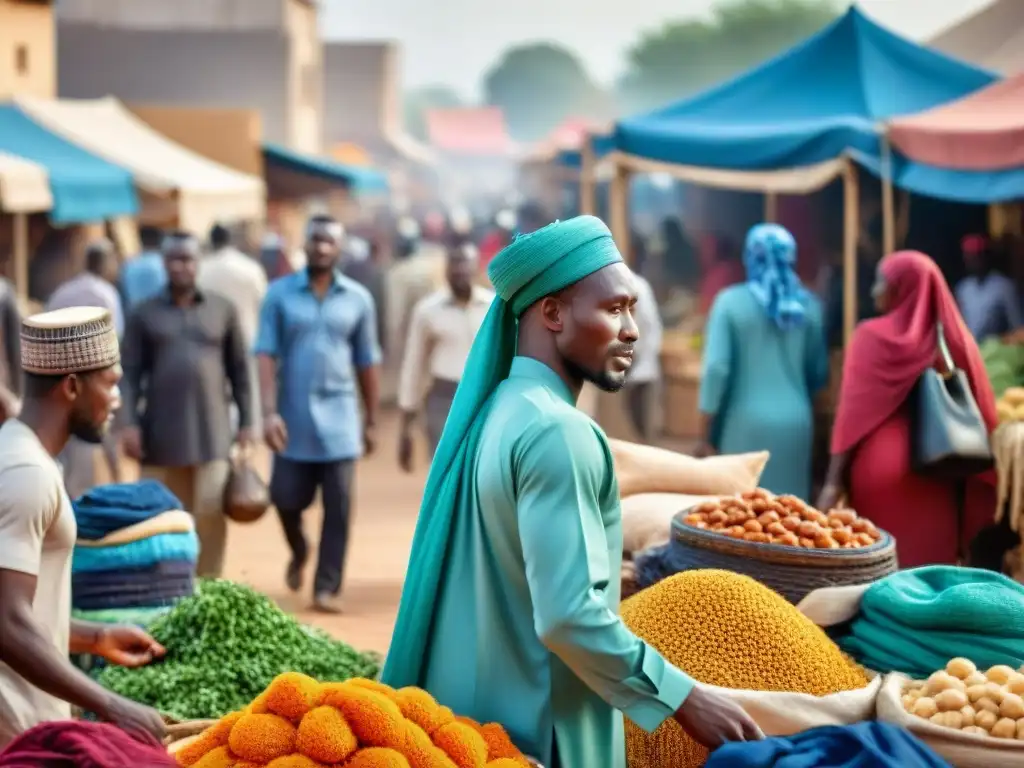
[(947, 356)]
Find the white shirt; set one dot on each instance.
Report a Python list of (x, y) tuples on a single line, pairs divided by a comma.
[(239, 279), (37, 537), (441, 333), (647, 352)]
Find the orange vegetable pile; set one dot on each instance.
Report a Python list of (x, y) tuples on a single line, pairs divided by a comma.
[(300, 723), (760, 517)]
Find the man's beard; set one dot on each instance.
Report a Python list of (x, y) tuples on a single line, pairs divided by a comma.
[(600, 379), (87, 432)]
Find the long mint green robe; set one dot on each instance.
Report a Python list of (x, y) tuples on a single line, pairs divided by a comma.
[(526, 629)]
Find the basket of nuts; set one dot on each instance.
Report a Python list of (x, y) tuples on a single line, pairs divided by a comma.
[(781, 541)]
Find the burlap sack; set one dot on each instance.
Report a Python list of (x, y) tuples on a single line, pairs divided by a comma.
[(645, 469), (647, 518), (964, 750), (783, 714), (833, 605)]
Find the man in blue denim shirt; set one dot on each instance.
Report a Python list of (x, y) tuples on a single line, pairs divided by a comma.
[(316, 345), (145, 276)]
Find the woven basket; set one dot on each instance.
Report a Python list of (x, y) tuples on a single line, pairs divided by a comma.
[(793, 572)]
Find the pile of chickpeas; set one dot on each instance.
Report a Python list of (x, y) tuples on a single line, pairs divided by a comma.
[(967, 699)]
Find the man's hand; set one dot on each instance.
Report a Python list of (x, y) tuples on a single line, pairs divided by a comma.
[(369, 439), (136, 719), (829, 498), (131, 443), (405, 451), (127, 646), (275, 433), (711, 719), (246, 438)]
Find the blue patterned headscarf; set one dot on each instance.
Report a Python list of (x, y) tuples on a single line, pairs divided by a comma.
[(769, 256)]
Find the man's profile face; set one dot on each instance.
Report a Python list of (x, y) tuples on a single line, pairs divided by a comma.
[(95, 398), (598, 330)]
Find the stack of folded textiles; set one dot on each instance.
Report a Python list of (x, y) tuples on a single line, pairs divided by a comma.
[(136, 553)]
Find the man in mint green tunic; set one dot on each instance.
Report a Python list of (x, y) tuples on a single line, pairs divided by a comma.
[(510, 606)]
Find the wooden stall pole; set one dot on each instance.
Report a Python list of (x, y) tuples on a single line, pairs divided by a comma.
[(771, 208), (888, 202), (618, 210), (851, 230), (21, 256), (588, 178)]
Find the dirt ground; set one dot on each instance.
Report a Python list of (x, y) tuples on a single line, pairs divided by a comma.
[(385, 508)]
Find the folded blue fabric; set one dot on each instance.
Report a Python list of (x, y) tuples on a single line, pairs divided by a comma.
[(864, 745), (152, 574), (137, 554), (130, 594), (109, 508)]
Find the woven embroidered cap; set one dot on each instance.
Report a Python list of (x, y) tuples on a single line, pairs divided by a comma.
[(71, 340)]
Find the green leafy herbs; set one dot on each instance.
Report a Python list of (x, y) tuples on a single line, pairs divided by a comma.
[(225, 644), (1004, 364)]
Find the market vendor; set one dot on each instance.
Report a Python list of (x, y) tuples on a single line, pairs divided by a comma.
[(72, 367), (510, 606)]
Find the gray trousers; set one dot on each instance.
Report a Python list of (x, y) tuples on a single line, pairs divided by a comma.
[(438, 404)]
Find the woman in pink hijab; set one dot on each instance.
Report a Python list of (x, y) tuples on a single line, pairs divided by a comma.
[(932, 520)]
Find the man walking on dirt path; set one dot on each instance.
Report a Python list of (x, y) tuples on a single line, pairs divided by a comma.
[(441, 333), (513, 580), (317, 344)]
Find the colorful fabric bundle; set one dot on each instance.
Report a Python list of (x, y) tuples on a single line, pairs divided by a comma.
[(77, 744), (153, 586), (140, 617), (109, 508), (916, 620), (136, 554), (865, 745), (173, 521)]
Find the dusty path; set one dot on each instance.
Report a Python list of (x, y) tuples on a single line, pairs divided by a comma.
[(387, 501)]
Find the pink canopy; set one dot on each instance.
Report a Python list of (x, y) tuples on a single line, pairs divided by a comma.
[(980, 132)]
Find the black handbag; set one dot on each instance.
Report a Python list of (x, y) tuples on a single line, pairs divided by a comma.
[(950, 439)]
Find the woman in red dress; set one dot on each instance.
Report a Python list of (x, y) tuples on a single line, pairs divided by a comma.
[(932, 520)]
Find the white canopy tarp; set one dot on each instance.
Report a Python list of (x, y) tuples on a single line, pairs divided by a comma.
[(24, 186), (204, 191)]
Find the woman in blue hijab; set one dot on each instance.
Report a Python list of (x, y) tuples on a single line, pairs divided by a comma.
[(765, 357)]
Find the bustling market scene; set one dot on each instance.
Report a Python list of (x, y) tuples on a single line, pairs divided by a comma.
[(551, 384)]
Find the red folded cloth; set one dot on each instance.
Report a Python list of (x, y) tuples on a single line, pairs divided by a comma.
[(79, 744)]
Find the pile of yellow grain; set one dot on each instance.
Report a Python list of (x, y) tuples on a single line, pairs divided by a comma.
[(728, 630)]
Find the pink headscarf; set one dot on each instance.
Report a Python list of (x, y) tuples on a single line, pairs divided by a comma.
[(888, 354)]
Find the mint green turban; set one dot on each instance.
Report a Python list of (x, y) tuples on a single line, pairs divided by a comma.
[(531, 267)]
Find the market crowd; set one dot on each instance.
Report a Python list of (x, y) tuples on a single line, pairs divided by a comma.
[(191, 352)]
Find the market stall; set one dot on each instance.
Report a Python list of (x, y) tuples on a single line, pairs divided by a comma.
[(179, 187), (789, 126)]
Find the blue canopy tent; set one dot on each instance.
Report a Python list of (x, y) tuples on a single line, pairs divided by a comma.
[(298, 174), (85, 188), (807, 106), (792, 124)]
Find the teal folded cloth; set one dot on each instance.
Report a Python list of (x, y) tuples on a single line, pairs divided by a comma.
[(137, 554), (916, 620), (141, 617)]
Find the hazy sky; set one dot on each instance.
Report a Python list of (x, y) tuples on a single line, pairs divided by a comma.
[(454, 41)]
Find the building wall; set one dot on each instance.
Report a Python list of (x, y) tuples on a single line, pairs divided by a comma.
[(305, 77), (177, 14), (180, 68), (27, 50), (256, 54), (362, 99), (231, 137)]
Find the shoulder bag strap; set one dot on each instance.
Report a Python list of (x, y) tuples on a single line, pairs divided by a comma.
[(945, 354)]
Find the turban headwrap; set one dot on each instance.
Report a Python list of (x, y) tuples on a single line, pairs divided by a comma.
[(531, 267)]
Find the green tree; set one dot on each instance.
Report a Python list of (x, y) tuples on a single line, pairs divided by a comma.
[(684, 57), (421, 100), (538, 86)]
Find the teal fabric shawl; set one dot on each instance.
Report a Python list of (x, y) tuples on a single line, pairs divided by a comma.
[(531, 267), (917, 620)]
